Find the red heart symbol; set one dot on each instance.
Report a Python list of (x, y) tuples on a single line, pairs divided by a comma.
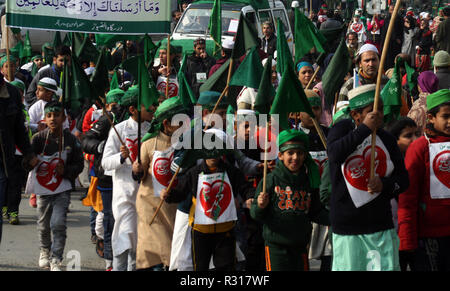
[(441, 167), (133, 147), (46, 174), (161, 171), (357, 168), (173, 88), (214, 201), (320, 165)]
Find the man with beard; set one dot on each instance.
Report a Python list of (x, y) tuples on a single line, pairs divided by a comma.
[(367, 62)]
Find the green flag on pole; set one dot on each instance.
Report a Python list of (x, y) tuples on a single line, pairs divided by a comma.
[(334, 75), (306, 37), (148, 94), (27, 51), (76, 85), (99, 79), (290, 97), (284, 56), (266, 92), (149, 50), (392, 94), (185, 92), (114, 84), (57, 42), (83, 47), (215, 26), (246, 38), (249, 71)]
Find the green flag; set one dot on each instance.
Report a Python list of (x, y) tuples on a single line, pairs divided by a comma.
[(16, 50), (249, 71), (57, 42), (148, 94), (217, 81), (411, 76), (27, 51), (149, 50), (215, 26), (284, 56), (266, 92), (246, 38), (131, 65), (392, 94), (83, 47), (114, 84), (76, 85), (68, 39), (185, 92), (110, 40), (99, 79), (290, 97), (334, 75), (306, 36)]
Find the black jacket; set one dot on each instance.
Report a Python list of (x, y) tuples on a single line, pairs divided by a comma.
[(196, 65), (271, 44), (376, 215), (12, 126), (97, 135)]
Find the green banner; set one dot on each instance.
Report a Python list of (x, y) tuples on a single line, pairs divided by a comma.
[(91, 16)]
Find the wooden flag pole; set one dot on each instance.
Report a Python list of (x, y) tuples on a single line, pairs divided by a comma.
[(378, 86), (312, 78), (10, 77), (320, 132), (168, 67)]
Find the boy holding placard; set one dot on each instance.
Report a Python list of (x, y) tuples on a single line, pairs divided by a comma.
[(51, 180), (424, 209), (364, 237)]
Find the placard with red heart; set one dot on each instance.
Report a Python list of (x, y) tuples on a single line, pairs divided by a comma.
[(173, 88), (161, 170), (357, 167), (215, 198), (132, 145), (441, 167), (46, 174)]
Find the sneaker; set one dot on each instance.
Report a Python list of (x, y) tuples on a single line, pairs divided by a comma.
[(55, 265), (5, 212), (44, 259), (99, 248), (32, 201), (109, 269), (14, 218)]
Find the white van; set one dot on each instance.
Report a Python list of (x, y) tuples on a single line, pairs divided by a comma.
[(194, 22)]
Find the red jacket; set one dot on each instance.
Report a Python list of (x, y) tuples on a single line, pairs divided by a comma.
[(419, 216)]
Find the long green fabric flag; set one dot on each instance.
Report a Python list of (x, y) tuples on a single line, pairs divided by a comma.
[(249, 71), (290, 97), (99, 79), (266, 92), (185, 92), (392, 94), (284, 56), (246, 38), (334, 75), (76, 85), (215, 26), (83, 47), (148, 94), (114, 84), (306, 36), (27, 51), (57, 42)]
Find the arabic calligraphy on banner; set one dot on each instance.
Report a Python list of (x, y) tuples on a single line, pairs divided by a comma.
[(107, 16)]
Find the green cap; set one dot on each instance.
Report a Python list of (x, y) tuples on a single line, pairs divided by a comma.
[(438, 98), (18, 84), (361, 96), (5, 59), (208, 100), (114, 96), (36, 57), (53, 106), (130, 98)]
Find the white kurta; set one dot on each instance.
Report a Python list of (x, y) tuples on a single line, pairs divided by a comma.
[(124, 236), (37, 115)]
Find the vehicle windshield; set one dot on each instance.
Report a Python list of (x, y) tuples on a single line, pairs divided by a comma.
[(196, 20)]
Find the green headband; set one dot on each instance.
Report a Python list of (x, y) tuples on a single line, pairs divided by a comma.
[(341, 114), (19, 85), (5, 59), (114, 96), (438, 98), (47, 86), (362, 100), (36, 57), (292, 135), (55, 108), (296, 145)]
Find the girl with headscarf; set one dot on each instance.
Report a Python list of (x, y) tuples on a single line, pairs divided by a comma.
[(427, 83), (305, 72)]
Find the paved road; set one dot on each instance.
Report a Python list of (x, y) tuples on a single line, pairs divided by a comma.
[(19, 248)]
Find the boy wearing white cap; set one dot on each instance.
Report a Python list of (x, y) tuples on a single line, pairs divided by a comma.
[(364, 237), (227, 48), (357, 27)]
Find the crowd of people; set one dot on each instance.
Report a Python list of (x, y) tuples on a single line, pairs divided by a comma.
[(153, 210)]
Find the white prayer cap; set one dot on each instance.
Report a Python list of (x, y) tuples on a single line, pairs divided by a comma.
[(245, 112), (295, 4), (228, 44), (274, 63), (51, 85), (367, 48), (222, 135), (341, 104), (247, 96)]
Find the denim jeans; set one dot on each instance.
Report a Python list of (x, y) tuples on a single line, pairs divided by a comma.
[(126, 261), (108, 223), (52, 219), (3, 184)]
